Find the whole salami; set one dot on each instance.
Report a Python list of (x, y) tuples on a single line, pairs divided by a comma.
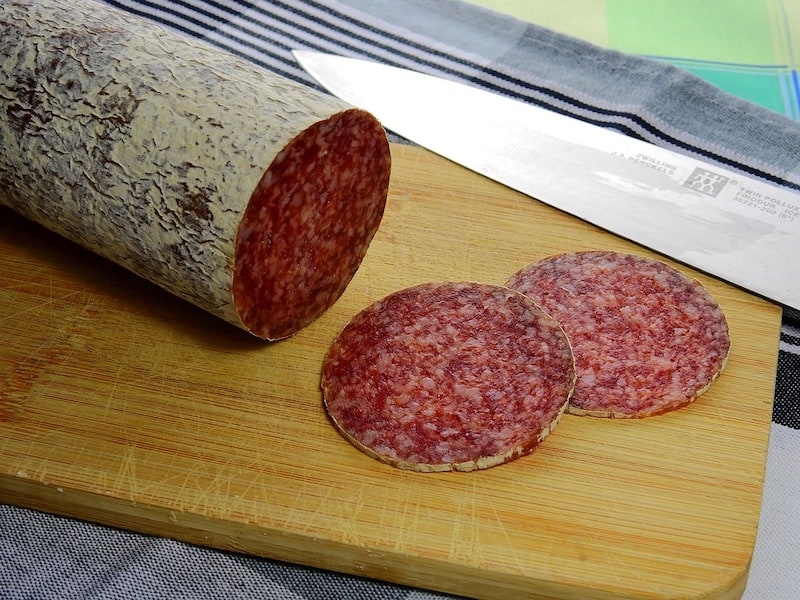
[(647, 339), (451, 376), (251, 196)]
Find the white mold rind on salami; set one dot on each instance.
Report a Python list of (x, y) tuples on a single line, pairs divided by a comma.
[(448, 377), (647, 339), (251, 196)]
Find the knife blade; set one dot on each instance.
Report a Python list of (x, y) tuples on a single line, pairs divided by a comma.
[(738, 228)]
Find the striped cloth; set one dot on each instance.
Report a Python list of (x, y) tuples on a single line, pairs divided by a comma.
[(655, 71), (529, 63)]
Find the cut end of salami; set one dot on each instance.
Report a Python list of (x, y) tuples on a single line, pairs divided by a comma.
[(448, 377), (647, 339), (309, 223)]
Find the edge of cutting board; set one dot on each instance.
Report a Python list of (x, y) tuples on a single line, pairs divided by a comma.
[(119, 408)]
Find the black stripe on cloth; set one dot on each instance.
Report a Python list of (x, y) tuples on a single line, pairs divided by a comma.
[(786, 410), (262, 34)]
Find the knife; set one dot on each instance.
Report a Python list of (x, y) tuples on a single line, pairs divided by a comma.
[(740, 229)]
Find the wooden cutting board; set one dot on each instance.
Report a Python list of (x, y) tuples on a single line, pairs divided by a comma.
[(122, 405)]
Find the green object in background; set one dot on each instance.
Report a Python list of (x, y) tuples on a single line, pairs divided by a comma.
[(729, 31), (742, 46)]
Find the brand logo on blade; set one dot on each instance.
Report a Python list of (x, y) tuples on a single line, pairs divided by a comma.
[(706, 182)]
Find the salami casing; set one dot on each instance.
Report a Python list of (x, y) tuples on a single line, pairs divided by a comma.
[(251, 196), (451, 376), (647, 339)]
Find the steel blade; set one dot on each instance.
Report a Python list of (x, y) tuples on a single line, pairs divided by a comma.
[(740, 229)]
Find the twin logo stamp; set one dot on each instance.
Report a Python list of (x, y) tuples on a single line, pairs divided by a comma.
[(706, 182)]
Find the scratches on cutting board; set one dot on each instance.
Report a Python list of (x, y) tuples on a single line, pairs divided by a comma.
[(479, 529), (31, 358)]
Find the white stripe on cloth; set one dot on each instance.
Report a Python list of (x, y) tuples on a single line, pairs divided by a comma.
[(775, 566)]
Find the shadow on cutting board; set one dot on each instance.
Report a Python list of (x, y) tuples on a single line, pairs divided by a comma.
[(32, 252)]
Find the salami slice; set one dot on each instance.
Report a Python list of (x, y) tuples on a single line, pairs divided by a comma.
[(451, 376), (251, 196), (647, 339)]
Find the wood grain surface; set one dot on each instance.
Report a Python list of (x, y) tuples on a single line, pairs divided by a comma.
[(122, 405)]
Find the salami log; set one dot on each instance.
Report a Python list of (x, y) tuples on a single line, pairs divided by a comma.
[(251, 196), (647, 339), (452, 376)]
